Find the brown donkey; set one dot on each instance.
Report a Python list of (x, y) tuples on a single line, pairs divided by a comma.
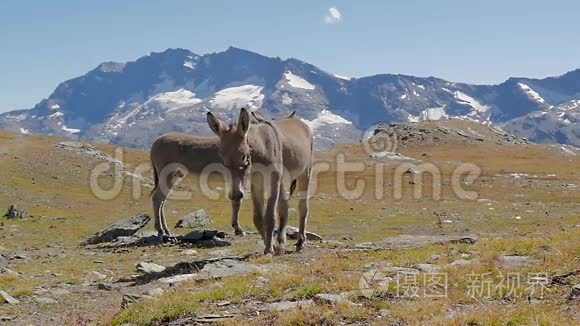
[(244, 149), (172, 156)]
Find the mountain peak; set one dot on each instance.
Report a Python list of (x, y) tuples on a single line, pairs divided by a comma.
[(111, 66)]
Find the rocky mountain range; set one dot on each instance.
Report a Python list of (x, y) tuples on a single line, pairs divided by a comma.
[(132, 103)]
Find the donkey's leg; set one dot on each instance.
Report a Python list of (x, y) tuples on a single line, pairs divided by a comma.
[(303, 207), (257, 188), (158, 198), (270, 214), (236, 218), (282, 219), (166, 183)]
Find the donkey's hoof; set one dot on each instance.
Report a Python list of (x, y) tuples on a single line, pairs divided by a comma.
[(240, 232), (169, 238), (299, 247), (279, 250)]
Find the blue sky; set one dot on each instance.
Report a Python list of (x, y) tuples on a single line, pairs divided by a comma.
[(46, 42)]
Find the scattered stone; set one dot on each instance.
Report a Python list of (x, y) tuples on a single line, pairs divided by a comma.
[(223, 303), (7, 271), (385, 313), (13, 213), (190, 252), (292, 233), (124, 228), (331, 299), (150, 268), (105, 286), (227, 267), (212, 318), (197, 219), (415, 241), (428, 268), (45, 300), (147, 238), (94, 276), (177, 278), (157, 292), (435, 256), (575, 294), (513, 262), (60, 292), (8, 298), (464, 262), (202, 269), (129, 299), (289, 305)]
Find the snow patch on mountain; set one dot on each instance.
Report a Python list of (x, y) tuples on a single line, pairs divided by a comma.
[(70, 130), (286, 100), (342, 77), (433, 114), (176, 100), (297, 81), (56, 115), (55, 106), (531, 93), (237, 97), (464, 98), (24, 131), (325, 117)]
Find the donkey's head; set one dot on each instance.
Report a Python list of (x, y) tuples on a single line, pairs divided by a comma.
[(234, 149)]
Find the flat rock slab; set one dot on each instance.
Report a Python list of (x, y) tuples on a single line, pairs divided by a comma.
[(464, 263), (575, 294), (512, 262), (415, 241), (129, 298), (289, 305), (123, 228), (139, 239), (150, 267), (331, 299), (228, 267), (193, 268), (8, 298)]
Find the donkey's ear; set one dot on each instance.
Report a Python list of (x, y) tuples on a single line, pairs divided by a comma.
[(215, 124), (244, 122)]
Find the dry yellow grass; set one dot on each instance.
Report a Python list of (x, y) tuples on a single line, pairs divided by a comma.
[(50, 182)]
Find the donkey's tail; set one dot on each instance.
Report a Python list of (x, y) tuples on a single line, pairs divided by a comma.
[(292, 187), (155, 179)]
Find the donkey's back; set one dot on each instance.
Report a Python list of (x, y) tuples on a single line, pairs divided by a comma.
[(193, 152), (296, 137)]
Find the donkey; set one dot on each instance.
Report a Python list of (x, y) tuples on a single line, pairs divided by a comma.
[(172, 154), (243, 147)]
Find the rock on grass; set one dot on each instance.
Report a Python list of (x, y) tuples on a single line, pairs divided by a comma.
[(123, 228), (197, 219), (8, 298)]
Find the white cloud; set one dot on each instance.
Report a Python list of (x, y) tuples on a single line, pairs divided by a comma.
[(333, 17)]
